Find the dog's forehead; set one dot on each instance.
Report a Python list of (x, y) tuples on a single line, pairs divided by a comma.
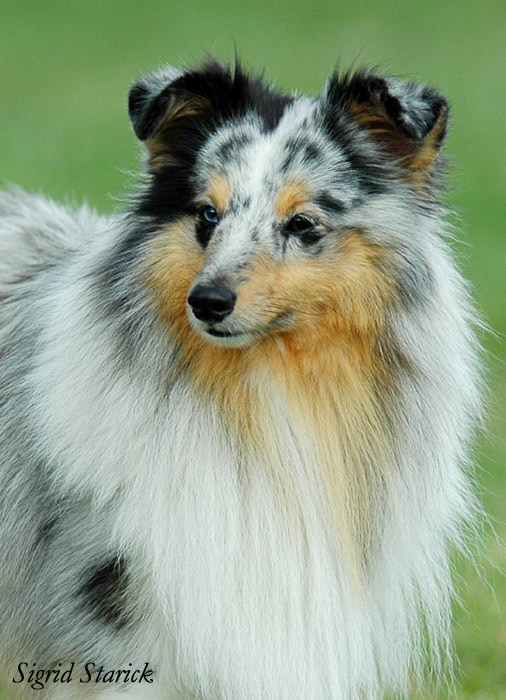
[(256, 163)]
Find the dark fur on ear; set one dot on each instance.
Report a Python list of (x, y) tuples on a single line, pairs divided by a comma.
[(145, 101), (215, 90), (407, 121)]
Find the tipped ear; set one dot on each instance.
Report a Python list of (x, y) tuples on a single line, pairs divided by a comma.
[(157, 98), (172, 98), (407, 121)]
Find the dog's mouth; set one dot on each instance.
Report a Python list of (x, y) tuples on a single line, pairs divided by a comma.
[(221, 334), (232, 339), (234, 334), (245, 337)]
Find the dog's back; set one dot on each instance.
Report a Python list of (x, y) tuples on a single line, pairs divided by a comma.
[(35, 231)]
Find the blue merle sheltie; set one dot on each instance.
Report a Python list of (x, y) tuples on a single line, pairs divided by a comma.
[(235, 417)]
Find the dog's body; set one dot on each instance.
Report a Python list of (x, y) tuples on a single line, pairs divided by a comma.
[(234, 420)]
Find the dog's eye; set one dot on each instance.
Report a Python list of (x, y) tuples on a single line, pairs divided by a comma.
[(207, 219), (299, 224), (303, 228), (210, 215)]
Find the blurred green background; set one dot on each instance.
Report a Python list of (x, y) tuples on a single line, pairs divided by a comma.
[(65, 69)]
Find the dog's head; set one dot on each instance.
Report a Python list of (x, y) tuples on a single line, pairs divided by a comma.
[(284, 216)]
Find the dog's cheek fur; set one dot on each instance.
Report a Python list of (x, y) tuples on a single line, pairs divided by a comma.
[(257, 306), (173, 260), (338, 296)]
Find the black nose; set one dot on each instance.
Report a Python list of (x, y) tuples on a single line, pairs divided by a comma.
[(211, 303)]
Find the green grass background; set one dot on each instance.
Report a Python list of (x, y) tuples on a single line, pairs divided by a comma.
[(65, 67)]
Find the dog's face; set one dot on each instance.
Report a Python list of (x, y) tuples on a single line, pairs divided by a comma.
[(262, 202)]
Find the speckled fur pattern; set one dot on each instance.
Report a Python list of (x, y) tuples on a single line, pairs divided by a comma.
[(263, 507)]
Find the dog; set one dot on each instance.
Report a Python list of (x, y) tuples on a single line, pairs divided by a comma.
[(236, 416)]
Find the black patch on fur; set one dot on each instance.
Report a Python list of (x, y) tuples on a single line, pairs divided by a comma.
[(171, 192), (285, 165), (278, 239), (329, 204), (294, 144), (309, 239), (269, 105), (169, 196), (301, 147), (105, 590), (371, 173), (312, 153), (46, 532), (141, 112), (233, 94), (370, 170), (204, 232), (229, 149)]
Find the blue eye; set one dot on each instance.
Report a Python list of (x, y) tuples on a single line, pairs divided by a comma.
[(206, 220), (210, 215)]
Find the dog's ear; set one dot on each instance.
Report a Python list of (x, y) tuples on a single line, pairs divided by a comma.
[(149, 100), (174, 97), (407, 121)]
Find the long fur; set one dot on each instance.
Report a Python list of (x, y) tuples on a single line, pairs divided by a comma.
[(267, 513)]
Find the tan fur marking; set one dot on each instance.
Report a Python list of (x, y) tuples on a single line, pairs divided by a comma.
[(292, 195), (345, 294), (423, 161), (159, 144), (375, 119), (160, 156), (219, 192), (173, 262), (187, 107)]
